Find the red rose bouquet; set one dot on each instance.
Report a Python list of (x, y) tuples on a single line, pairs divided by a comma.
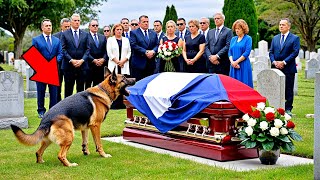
[(269, 129), (167, 51)]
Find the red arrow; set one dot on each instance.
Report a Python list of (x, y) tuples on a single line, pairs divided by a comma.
[(46, 71)]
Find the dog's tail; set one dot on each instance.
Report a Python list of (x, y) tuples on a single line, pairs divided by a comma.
[(28, 139)]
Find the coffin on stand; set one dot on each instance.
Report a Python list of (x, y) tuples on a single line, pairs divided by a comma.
[(210, 133)]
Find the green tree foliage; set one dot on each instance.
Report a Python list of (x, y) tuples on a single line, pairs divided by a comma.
[(242, 9), (17, 15), (171, 14)]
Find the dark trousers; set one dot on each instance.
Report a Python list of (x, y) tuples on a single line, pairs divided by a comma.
[(142, 73), (289, 91), (72, 76), (94, 76), (41, 91), (60, 80), (219, 69)]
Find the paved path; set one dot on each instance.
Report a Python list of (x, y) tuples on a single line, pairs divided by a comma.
[(239, 165)]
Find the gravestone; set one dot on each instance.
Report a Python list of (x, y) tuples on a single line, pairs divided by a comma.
[(31, 86), (264, 59), (299, 64), (307, 55), (313, 55), (23, 65), (295, 86), (258, 66), (17, 63), (301, 54), (11, 100), (256, 52), (5, 56), (312, 66), (263, 48), (271, 84), (251, 54), (10, 58), (316, 152)]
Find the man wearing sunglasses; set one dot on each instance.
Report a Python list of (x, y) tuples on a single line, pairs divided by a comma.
[(134, 24), (204, 26), (98, 55), (182, 33), (107, 31)]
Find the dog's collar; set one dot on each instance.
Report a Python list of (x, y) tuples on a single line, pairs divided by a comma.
[(105, 91)]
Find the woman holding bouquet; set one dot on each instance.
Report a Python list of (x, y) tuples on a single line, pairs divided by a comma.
[(171, 37), (193, 49)]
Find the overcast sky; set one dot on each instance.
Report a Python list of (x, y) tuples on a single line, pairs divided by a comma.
[(114, 10)]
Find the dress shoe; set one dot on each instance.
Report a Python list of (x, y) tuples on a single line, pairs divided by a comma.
[(40, 115), (289, 112)]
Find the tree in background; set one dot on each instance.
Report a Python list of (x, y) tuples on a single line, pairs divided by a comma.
[(304, 15), (17, 15), (171, 14), (244, 9)]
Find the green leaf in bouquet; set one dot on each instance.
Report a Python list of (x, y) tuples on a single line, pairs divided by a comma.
[(267, 145), (253, 137), (250, 144), (261, 139), (284, 138), (288, 147), (294, 135)]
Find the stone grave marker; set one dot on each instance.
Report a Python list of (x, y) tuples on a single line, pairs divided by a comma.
[(251, 54), (307, 55), (5, 56), (31, 86), (17, 63), (263, 48), (299, 64), (11, 100), (271, 84), (295, 86), (316, 152), (313, 55), (312, 66), (301, 54), (10, 58), (256, 52), (258, 66)]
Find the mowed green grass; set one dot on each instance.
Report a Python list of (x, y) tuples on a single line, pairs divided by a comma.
[(18, 161)]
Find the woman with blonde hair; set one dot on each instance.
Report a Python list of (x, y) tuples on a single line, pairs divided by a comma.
[(193, 49), (239, 51), (170, 36), (119, 52)]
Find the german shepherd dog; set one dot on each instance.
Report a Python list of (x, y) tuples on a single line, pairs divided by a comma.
[(80, 111)]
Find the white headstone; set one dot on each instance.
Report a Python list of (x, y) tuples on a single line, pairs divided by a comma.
[(11, 100), (251, 54), (23, 67), (318, 51), (295, 86), (17, 64), (256, 52), (258, 66), (312, 66), (299, 64), (316, 152), (271, 84), (301, 54), (10, 58), (263, 48), (5, 56), (313, 55), (307, 54), (31, 86)]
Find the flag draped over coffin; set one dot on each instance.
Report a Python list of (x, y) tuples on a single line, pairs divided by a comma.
[(168, 99)]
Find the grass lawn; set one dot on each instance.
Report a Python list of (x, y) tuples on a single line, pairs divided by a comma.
[(18, 161)]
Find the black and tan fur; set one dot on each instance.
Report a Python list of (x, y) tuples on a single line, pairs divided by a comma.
[(81, 111)]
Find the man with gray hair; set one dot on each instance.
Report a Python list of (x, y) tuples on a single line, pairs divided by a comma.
[(76, 51), (217, 47), (64, 25), (204, 26)]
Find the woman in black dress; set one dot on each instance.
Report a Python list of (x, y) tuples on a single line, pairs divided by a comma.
[(170, 36), (193, 49)]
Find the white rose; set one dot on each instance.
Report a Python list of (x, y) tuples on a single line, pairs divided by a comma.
[(274, 131), (287, 117), (169, 53), (284, 131), (249, 130), (165, 53), (263, 125), (260, 106), (245, 117), (252, 122), (269, 109), (164, 49), (278, 123), (170, 48)]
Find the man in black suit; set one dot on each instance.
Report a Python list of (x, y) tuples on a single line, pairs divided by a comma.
[(157, 27), (98, 55), (144, 45), (76, 51), (126, 27), (283, 52), (64, 25), (182, 33), (217, 47)]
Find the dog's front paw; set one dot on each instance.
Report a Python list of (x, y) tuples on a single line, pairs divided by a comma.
[(106, 155), (72, 164)]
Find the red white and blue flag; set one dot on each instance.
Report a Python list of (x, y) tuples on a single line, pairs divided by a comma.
[(168, 99)]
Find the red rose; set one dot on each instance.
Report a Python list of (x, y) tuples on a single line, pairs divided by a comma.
[(167, 46), (255, 114), (290, 125), (281, 111), (270, 116), (227, 138)]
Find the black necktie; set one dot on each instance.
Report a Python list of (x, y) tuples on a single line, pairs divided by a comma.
[(49, 43), (146, 35), (76, 39)]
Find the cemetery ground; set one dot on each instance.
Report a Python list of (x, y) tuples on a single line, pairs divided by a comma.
[(19, 162)]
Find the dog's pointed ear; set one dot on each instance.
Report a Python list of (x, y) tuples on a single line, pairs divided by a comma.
[(106, 72), (114, 75)]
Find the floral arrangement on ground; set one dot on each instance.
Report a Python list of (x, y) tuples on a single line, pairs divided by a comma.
[(167, 51), (269, 129)]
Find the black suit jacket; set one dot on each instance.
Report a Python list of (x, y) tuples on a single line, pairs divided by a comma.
[(75, 51), (177, 33), (97, 52), (58, 34), (218, 46)]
